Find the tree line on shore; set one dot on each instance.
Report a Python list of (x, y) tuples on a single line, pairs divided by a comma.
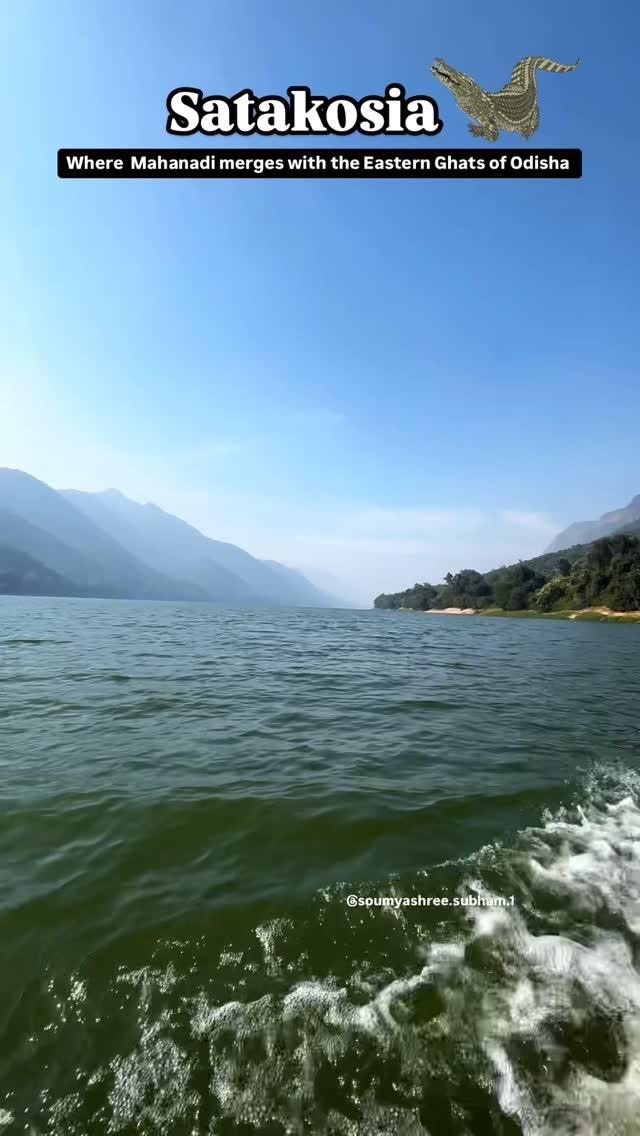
[(603, 574)]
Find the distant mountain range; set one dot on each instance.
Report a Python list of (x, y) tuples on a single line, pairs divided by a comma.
[(103, 544), (584, 532)]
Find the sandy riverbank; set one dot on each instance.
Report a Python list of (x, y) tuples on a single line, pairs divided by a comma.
[(451, 611), (606, 613), (586, 614)]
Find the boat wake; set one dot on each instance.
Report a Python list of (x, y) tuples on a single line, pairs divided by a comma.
[(517, 1020)]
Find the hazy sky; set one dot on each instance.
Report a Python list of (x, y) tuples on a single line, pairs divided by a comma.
[(374, 381)]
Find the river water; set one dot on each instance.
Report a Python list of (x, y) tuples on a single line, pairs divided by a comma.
[(191, 797)]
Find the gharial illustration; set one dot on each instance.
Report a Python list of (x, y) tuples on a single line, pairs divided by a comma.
[(514, 108)]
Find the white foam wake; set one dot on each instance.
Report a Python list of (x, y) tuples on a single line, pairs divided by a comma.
[(530, 1012)]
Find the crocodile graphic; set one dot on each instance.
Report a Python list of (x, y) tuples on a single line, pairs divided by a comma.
[(514, 108)]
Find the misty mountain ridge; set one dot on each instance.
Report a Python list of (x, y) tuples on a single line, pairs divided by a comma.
[(584, 532), (104, 544)]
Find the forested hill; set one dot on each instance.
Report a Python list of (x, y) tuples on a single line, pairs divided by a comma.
[(605, 573), (22, 575)]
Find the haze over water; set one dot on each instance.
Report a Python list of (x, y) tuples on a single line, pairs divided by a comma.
[(189, 796)]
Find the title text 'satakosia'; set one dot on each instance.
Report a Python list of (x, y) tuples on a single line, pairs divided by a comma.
[(302, 113)]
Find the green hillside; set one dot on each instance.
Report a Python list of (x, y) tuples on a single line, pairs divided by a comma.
[(605, 573)]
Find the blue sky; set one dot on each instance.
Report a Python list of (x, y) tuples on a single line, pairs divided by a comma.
[(375, 381)]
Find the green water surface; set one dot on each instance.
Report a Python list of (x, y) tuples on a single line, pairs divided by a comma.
[(188, 796)]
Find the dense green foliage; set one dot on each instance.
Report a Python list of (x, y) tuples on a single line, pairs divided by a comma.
[(605, 573), (609, 574)]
